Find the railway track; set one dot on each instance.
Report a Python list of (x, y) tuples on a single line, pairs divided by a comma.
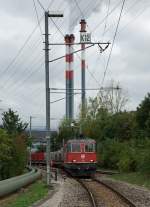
[(102, 195)]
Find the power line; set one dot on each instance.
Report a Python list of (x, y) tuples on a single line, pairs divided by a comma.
[(41, 5), (113, 9), (135, 3), (21, 64), (24, 45), (137, 15), (19, 52), (105, 26), (87, 89), (58, 28), (38, 20), (113, 41), (79, 9), (63, 98)]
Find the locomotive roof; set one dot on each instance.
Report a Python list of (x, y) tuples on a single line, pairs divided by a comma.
[(81, 140)]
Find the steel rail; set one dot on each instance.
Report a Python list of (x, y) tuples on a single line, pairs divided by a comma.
[(93, 202), (129, 202)]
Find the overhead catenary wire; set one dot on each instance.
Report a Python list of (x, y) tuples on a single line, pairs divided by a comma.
[(114, 38), (105, 26), (21, 48), (87, 89), (16, 81), (38, 20), (7, 81), (63, 98), (105, 31), (79, 9), (41, 5)]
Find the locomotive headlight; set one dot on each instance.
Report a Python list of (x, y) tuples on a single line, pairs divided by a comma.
[(73, 160), (92, 160)]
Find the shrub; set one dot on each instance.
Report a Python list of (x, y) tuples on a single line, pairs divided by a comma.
[(12, 155), (109, 151), (118, 155), (127, 159), (144, 157)]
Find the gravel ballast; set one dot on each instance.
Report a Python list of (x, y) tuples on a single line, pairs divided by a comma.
[(137, 195)]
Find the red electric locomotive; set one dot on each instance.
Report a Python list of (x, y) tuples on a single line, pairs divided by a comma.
[(78, 157)]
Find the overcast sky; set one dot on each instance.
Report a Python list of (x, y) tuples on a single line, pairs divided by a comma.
[(22, 80)]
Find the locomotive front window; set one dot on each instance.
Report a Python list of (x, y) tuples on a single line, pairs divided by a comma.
[(76, 147), (41, 148), (68, 147), (89, 147)]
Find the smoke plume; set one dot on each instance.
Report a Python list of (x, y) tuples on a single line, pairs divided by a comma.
[(81, 9)]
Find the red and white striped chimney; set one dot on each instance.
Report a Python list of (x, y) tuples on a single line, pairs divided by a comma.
[(69, 40), (83, 98)]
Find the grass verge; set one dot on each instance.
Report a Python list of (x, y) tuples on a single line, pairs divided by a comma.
[(134, 178), (31, 194)]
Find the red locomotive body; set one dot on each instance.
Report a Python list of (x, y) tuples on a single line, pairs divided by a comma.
[(80, 157)]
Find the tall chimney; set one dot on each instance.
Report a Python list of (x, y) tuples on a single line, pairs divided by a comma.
[(69, 40), (83, 98), (72, 38)]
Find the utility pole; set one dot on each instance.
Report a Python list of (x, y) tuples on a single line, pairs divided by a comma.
[(48, 130), (30, 134)]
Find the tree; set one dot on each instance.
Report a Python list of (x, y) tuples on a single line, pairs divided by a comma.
[(6, 149), (114, 99), (143, 113), (13, 145), (100, 114), (12, 123), (13, 154), (121, 126)]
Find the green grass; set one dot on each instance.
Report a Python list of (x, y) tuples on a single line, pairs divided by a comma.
[(134, 178), (32, 194)]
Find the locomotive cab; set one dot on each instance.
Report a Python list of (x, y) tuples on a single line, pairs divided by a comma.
[(80, 157)]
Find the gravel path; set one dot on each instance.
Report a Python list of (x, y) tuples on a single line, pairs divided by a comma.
[(138, 195)]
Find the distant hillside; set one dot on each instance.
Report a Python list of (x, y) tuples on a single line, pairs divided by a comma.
[(40, 135)]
